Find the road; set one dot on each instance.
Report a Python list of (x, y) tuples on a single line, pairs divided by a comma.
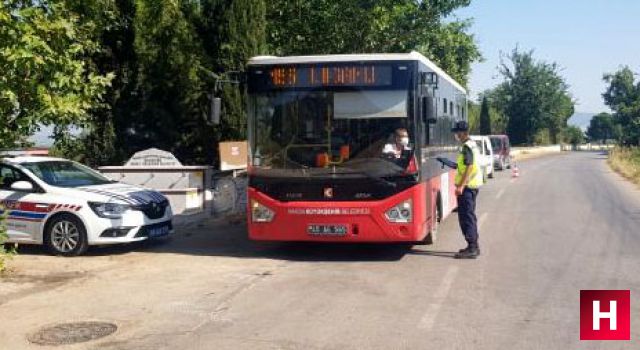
[(568, 223)]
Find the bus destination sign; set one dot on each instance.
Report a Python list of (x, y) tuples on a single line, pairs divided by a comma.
[(336, 76)]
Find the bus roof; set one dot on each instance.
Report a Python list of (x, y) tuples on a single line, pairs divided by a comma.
[(413, 56)]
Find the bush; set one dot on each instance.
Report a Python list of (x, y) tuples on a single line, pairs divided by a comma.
[(5, 254), (626, 161)]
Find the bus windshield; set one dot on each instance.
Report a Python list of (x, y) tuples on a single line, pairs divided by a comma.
[(354, 132)]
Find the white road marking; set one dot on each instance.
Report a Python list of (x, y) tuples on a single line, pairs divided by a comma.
[(500, 193), (483, 219), (437, 299)]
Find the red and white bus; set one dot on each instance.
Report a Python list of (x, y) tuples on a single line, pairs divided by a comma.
[(318, 130)]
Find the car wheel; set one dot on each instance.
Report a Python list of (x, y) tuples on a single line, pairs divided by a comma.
[(65, 235)]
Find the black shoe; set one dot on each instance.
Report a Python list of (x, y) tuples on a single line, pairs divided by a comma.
[(469, 253), (467, 248)]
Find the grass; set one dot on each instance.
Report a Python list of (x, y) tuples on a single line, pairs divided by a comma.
[(626, 161)]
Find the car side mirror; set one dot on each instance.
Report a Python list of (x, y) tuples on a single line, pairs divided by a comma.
[(24, 186)]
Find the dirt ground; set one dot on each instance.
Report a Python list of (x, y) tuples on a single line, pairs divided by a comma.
[(201, 261)]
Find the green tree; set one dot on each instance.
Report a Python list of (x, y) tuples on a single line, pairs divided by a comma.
[(231, 32), (369, 26), (574, 135), (112, 24), (602, 128), (165, 54), (473, 116), (534, 97), (623, 97), (45, 79), (485, 118)]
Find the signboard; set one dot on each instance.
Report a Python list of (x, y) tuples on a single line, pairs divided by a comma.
[(153, 157), (317, 76), (233, 155)]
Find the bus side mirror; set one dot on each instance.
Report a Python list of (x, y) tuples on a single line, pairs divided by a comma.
[(215, 111)]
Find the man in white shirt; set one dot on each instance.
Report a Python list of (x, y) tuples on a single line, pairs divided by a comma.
[(399, 144)]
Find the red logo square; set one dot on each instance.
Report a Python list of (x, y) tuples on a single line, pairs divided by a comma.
[(605, 315)]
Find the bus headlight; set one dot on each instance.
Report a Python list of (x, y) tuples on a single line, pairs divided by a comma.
[(401, 213), (260, 213)]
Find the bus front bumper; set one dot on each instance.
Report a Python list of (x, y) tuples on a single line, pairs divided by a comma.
[(353, 221)]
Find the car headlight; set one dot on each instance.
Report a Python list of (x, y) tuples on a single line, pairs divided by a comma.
[(401, 213), (260, 213), (109, 210)]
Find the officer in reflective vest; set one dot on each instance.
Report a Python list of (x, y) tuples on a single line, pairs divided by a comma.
[(468, 182)]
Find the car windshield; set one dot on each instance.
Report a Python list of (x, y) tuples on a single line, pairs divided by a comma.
[(317, 133), (66, 174)]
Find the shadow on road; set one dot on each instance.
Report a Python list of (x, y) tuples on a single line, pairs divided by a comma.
[(224, 240), (448, 255), (233, 242)]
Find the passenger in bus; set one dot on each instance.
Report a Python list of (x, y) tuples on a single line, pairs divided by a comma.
[(398, 145)]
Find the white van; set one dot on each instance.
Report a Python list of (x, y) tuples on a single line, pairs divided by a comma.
[(486, 152)]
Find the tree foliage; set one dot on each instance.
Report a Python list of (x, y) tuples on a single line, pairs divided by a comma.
[(165, 55), (623, 97), (45, 78), (603, 128), (369, 26), (534, 97), (485, 118), (573, 135), (166, 58)]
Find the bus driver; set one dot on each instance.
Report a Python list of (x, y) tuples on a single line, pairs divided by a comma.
[(399, 143)]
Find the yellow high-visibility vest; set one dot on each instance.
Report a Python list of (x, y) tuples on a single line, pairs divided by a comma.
[(476, 179)]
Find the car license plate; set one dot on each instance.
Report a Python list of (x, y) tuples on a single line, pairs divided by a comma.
[(159, 231), (327, 230)]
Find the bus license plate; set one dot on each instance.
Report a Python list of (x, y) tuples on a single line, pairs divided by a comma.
[(327, 230)]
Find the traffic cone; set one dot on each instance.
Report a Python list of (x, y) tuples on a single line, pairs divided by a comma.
[(515, 171)]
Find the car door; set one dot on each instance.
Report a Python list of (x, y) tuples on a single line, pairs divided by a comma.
[(23, 214)]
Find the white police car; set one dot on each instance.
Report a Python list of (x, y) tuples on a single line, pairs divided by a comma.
[(68, 207)]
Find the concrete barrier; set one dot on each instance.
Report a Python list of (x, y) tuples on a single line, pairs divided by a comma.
[(528, 152), (588, 147)]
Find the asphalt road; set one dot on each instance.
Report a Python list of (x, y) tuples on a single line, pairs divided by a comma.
[(568, 223)]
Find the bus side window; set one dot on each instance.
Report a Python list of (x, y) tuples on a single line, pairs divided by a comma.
[(425, 122)]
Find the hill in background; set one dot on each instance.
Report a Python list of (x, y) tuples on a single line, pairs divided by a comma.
[(581, 120)]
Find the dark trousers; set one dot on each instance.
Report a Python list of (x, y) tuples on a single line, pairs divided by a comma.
[(467, 216)]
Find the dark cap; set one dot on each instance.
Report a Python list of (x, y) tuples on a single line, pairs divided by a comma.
[(460, 126)]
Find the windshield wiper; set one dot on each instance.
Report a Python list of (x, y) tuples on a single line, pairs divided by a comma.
[(363, 173)]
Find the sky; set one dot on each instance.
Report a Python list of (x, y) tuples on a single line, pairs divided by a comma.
[(587, 38)]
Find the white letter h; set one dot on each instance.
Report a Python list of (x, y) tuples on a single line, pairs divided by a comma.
[(611, 315)]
